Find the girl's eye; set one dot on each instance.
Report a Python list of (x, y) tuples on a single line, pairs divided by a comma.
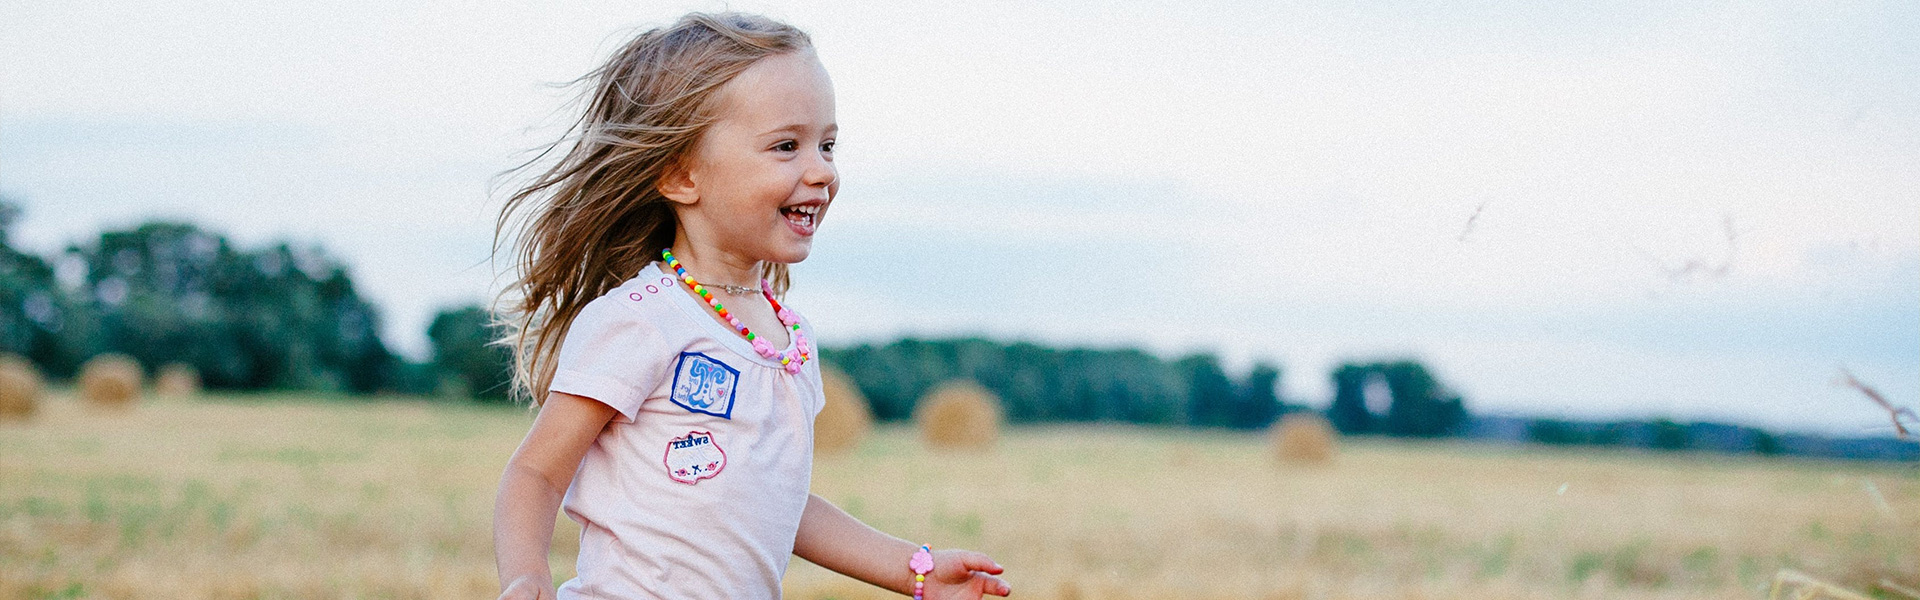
[(787, 146), (827, 146)]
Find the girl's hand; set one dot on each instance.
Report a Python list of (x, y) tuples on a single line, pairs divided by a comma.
[(527, 588), (964, 574)]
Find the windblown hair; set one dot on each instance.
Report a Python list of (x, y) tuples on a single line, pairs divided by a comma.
[(596, 217)]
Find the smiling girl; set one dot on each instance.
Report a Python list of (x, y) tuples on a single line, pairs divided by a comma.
[(676, 395)]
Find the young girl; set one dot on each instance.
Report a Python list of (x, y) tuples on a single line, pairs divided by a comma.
[(679, 395)]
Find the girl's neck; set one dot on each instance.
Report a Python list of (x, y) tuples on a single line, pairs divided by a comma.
[(711, 265)]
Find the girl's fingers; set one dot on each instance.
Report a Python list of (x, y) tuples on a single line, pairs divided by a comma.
[(993, 585), (975, 561)]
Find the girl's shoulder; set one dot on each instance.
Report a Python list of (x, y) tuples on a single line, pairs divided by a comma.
[(640, 303), (646, 295)]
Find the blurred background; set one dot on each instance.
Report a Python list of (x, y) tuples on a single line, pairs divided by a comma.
[(1624, 241)]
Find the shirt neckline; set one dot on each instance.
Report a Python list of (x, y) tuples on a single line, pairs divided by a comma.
[(702, 314)]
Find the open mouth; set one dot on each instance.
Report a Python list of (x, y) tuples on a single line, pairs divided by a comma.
[(805, 218)]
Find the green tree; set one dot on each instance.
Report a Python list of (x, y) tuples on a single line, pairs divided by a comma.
[(1555, 432), (1766, 444), (1421, 406), (1210, 394), (1669, 435), (276, 317), (463, 348), (1257, 401), (34, 311), (1034, 382), (1348, 413)]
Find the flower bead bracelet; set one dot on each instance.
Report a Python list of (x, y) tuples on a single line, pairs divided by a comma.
[(921, 564)]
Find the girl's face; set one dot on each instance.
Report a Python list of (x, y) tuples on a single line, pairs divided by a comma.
[(758, 183)]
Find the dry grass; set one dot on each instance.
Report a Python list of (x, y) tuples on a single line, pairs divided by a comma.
[(20, 385), (1304, 438), (111, 380), (248, 497), (958, 414), (846, 419)]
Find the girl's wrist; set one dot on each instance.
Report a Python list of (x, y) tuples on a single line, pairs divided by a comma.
[(536, 577), (919, 565)]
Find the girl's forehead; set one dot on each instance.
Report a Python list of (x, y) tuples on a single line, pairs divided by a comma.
[(780, 90)]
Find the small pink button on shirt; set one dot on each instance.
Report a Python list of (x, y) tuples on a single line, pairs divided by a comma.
[(695, 489)]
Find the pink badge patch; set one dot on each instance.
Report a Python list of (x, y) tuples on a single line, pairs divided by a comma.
[(694, 457)]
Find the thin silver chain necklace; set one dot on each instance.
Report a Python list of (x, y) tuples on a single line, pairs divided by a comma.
[(737, 290)]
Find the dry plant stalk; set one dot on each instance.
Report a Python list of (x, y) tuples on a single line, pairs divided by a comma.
[(1894, 413), (1889, 585), (1794, 585)]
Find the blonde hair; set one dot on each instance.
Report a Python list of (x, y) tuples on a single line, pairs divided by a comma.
[(596, 217)]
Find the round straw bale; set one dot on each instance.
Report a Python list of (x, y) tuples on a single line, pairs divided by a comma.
[(177, 380), (19, 388), (845, 420), (111, 380), (959, 414), (1304, 438)]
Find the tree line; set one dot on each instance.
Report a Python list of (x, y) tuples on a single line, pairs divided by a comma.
[(284, 317), (281, 317), (275, 317), (1043, 384)]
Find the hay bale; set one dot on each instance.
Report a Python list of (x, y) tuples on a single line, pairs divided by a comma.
[(19, 388), (177, 380), (111, 381), (959, 414), (846, 419), (1304, 438)]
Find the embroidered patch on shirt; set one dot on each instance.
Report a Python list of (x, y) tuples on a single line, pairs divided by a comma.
[(694, 457), (704, 385)]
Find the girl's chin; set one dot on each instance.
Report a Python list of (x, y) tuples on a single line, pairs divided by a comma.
[(793, 253)]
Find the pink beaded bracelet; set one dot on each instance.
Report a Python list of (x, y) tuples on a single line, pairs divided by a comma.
[(921, 564)]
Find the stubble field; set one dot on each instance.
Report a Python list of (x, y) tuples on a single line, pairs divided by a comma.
[(302, 497)]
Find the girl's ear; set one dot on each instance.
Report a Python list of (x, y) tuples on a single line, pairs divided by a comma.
[(676, 183)]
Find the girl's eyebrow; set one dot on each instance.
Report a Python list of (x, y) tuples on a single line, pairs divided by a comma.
[(798, 128)]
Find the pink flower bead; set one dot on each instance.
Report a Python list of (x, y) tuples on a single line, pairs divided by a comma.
[(786, 316), (793, 367), (765, 349)]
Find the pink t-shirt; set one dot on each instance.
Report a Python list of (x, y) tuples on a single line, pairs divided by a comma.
[(695, 489)]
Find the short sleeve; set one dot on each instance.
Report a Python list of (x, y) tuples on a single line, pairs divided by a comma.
[(612, 354)]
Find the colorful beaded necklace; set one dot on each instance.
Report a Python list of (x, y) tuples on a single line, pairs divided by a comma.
[(802, 351)]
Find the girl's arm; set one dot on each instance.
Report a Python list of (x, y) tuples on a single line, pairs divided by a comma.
[(535, 480), (831, 538)]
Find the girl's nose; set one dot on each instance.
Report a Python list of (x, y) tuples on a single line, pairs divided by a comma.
[(820, 172)]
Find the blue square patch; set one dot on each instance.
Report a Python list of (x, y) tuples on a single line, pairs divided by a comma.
[(704, 385)]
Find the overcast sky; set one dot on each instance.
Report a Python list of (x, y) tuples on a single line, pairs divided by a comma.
[(1593, 208)]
